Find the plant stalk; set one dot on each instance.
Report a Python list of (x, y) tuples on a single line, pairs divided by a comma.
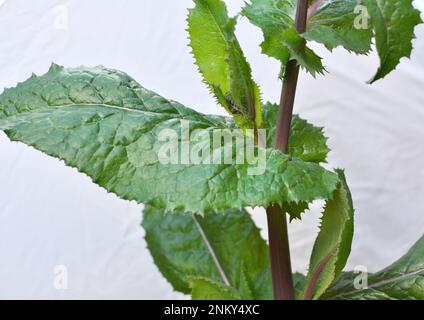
[(279, 248)]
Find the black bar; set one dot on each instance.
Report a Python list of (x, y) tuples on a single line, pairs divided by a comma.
[(184, 310)]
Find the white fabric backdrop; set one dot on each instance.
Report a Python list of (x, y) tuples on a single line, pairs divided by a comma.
[(50, 215)]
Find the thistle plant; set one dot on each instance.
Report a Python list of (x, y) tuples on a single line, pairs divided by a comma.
[(143, 147)]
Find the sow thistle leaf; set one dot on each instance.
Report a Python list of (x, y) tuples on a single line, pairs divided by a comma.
[(224, 249), (206, 289), (332, 246), (339, 23), (403, 280), (222, 62), (394, 22), (353, 23), (103, 123), (306, 141), (281, 41), (347, 23), (299, 283)]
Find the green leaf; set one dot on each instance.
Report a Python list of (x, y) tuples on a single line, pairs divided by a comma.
[(353, 23), (103, 123), (225, 248), (347, 23), (222, 62), (306, 141), (339, 23), (403, 280), (332, 246), (295, 210), (281, 41), (206, 289), (298, 284), (394, 22)]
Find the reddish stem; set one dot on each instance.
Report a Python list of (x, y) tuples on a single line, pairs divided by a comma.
[(279, 249)]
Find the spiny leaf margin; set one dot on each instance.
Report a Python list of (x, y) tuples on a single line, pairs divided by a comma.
[(222, 63), (333, 243), (402, 280), (185, 246), (105, 124)]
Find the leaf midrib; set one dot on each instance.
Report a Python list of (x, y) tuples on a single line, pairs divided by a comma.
[(381, 283), (211, 251), (216, 23), (175, 115), (110, 106)]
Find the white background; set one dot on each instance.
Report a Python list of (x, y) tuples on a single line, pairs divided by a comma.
[(51, 215)]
